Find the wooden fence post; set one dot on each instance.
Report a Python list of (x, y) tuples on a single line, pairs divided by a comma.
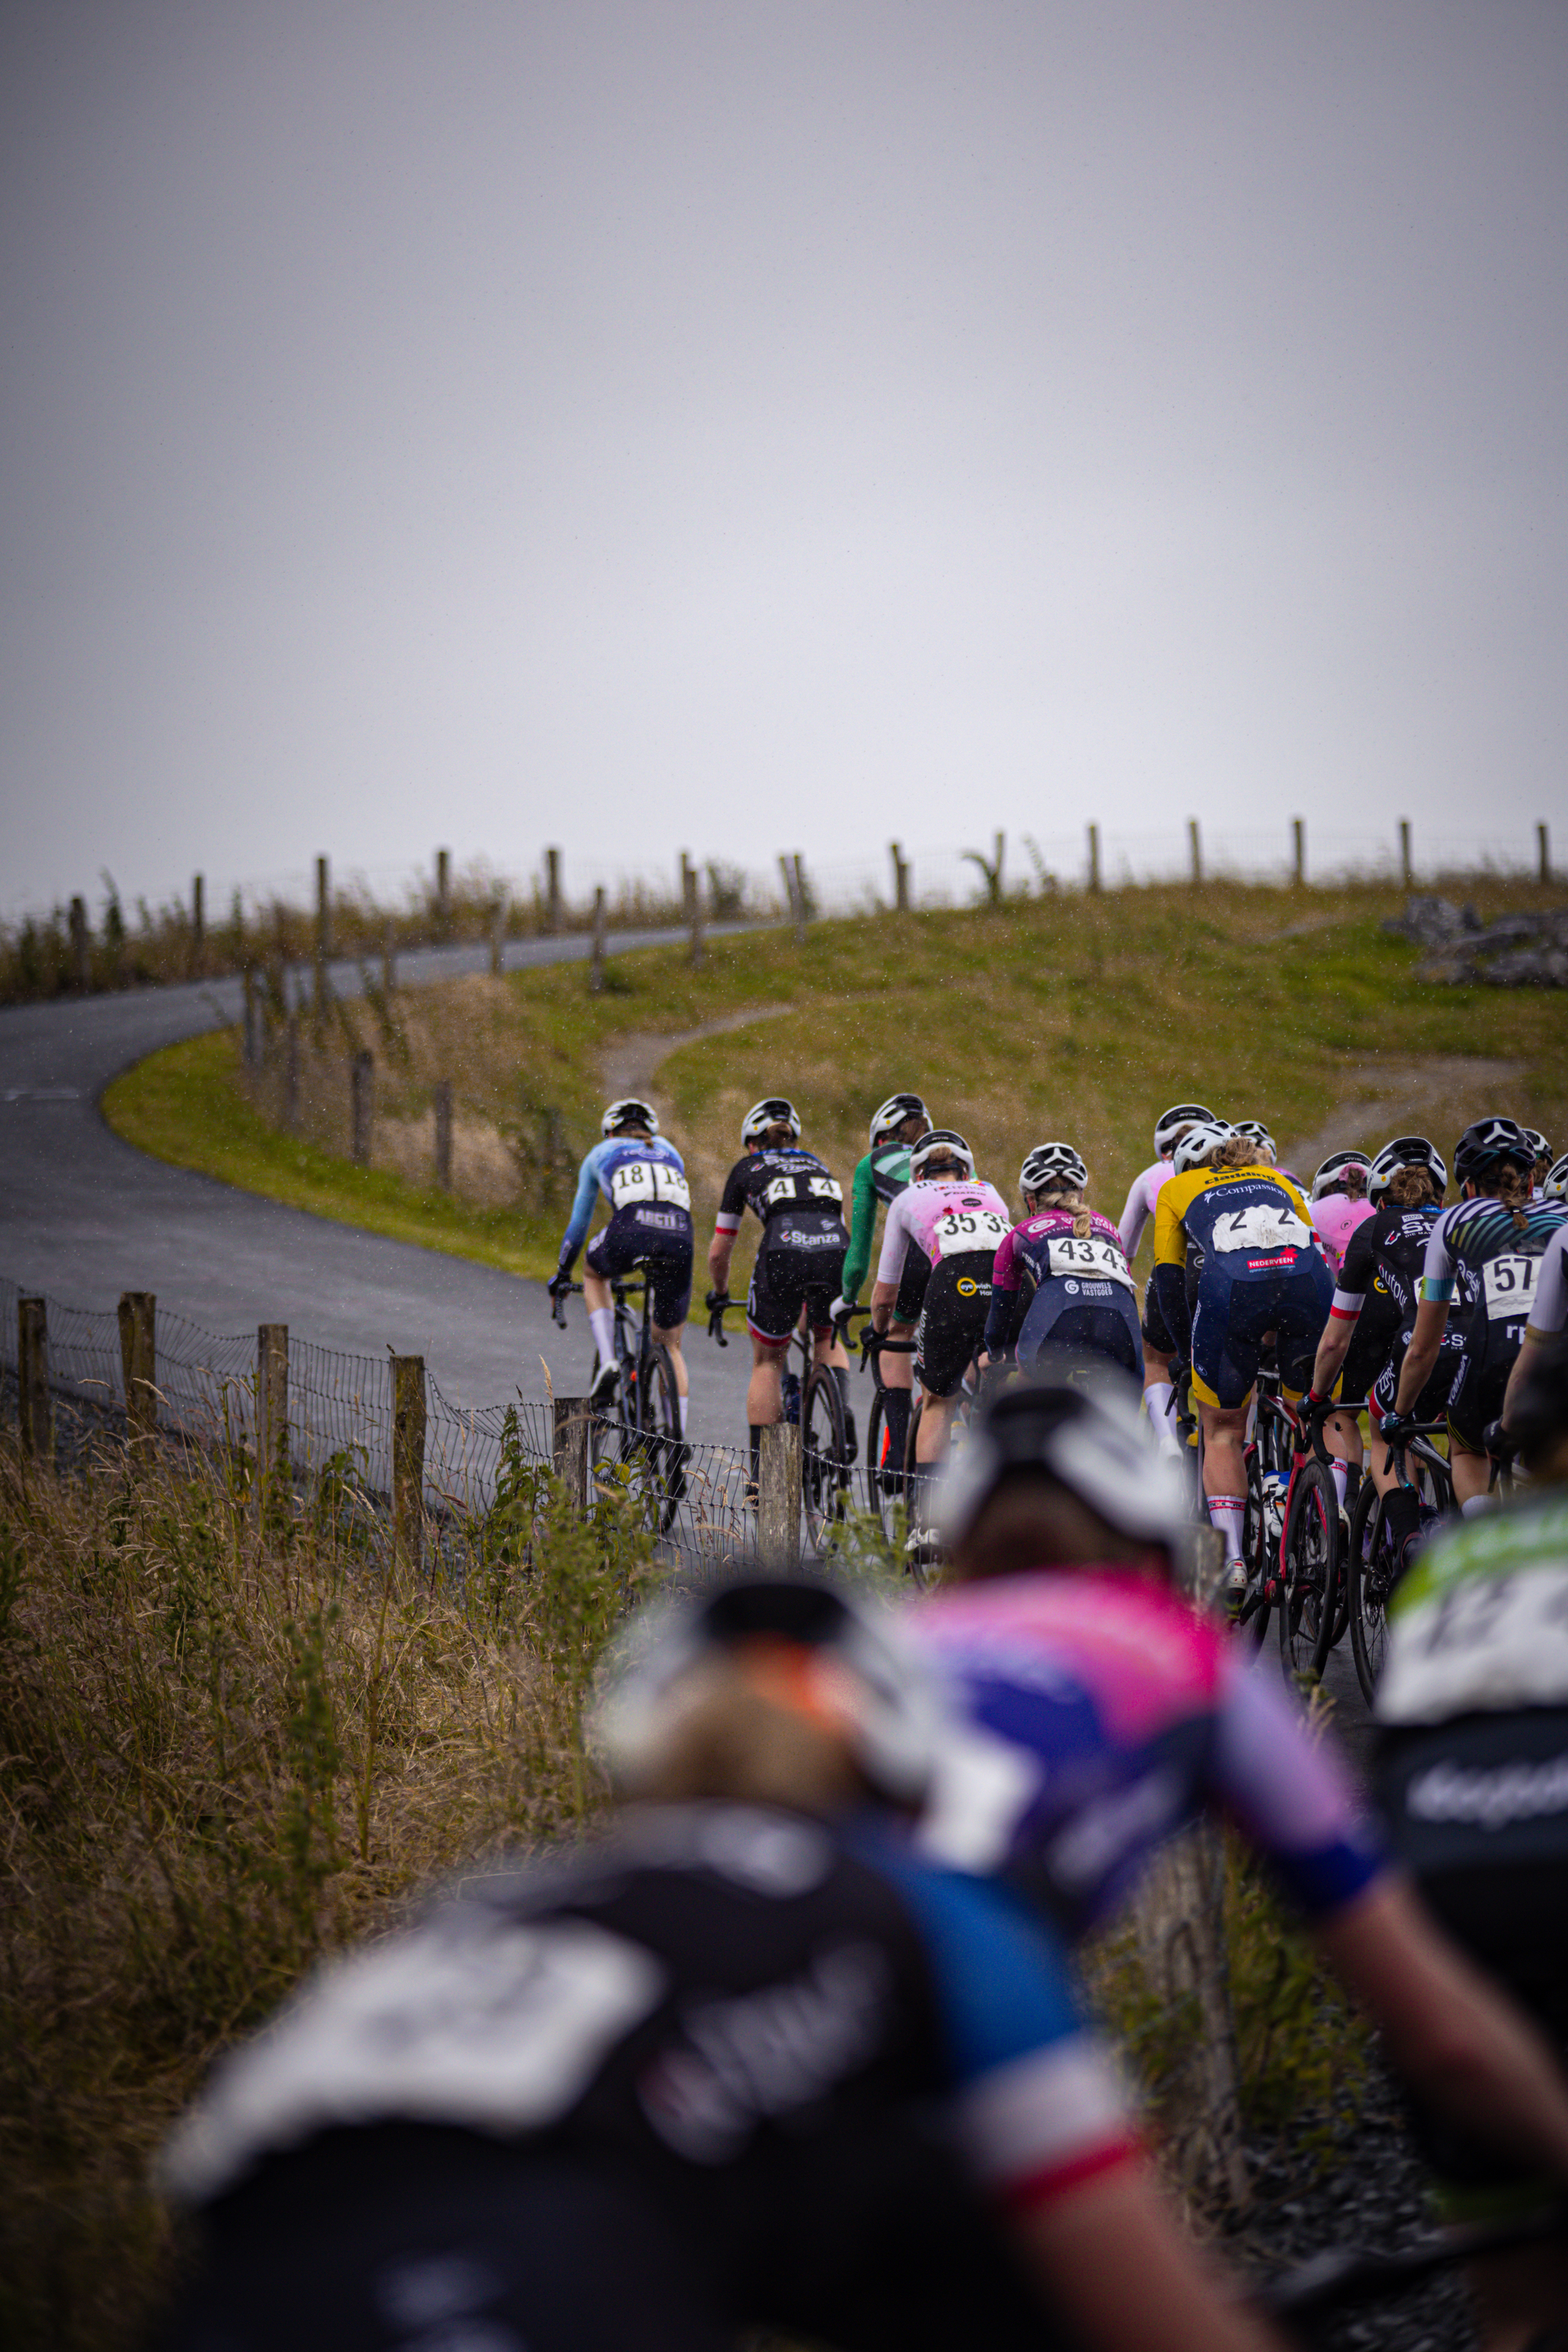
[(407, 1461), (1094, 857), (81, 946), (901, 878), (1194, 844), (271, 1411), (1406, 870), (291, 1070), (596, 956), (362, 1100), (569, 1444), (553, 891), (442, 892), (33, 1381), (778, 1496), (441, 1100), (691, 903), (498, 936), (389, 959), (1543, 845), (139, 1361), (251, 1029), (1299, 851), (198, 925), (801, 899), (1001, 845), (787, 870)]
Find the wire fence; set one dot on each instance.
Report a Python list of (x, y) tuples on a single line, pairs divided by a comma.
[(208, 1389)]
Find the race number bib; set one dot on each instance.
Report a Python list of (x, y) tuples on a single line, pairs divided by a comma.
[(1102, 1261), (1494, 1643), (644, 1183), (963, 1230), (802, 1192), (1265, 1226), (1508, 1286)]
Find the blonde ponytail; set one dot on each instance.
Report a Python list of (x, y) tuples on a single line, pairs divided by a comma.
[(1067, 1196)]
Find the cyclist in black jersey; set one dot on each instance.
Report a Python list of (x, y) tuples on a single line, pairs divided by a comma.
[(1499, 1233), (799, 1265), (1373, 1312), (745, 2061)]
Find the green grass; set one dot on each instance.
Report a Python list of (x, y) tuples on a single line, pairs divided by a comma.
[(1064, 1015)]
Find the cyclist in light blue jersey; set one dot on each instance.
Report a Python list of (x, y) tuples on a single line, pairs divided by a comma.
[(643, 1177)]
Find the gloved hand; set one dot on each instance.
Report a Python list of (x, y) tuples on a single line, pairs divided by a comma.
[(559, 1283), (1394, 1428), (1498, 1442), (841, 1306)]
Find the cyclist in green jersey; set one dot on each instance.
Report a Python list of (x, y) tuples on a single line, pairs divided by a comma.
[(880, 1177)]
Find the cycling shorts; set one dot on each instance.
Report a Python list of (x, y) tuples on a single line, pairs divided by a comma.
[(1364, 1359), (1235, 1310), (380, 2238), (912, 1280), (1095, 1318), (1478, 1811), (800, 1263), (1156, 1330), (951, 1324), (1486, 1360), (1432, 1403), (662, 1237)]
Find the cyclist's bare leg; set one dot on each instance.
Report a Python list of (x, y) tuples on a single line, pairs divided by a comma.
[(936, 1428), (672, 1339), (1472, 1472), (764, 1392), (898, 1371), (599, 1302), (1341, 1436), (827, 1347), (1225, 1440)]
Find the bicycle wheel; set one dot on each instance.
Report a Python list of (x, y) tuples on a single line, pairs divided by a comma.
[(823, 1457), (1310, 1566), (662, 1448), (610, 1429), (1367, 1580), (884, 1476), (1253, 1623)]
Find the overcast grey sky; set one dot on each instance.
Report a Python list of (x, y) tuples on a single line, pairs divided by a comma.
[(640, 425)]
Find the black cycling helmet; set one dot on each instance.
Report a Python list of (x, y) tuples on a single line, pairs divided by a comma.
[(842, 1663), (941, 1143), (628, 1112), (1092, 1440), (1170, 1123), (1405, 1151), (1333, 1172), (1489, 1144), (1052, 1164), (771, 1111), (893, 1114)]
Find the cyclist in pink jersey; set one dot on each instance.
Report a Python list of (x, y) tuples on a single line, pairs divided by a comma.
[(1060, 1280), (939, 1245), (1341, 1202), (1105, 1714), (1159, 1347)]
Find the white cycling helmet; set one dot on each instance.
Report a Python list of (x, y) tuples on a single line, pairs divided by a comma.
[(941, 1143), (1331, 1176), (1051, 1164), (842, 1663), (893, 1114), (771, 1111), (1092, 1439), (628, 1112), (1256, 1132), (1203, 1136), (1169, 1126), (1405, 1151), (1537, 1143), (1555, 1182)]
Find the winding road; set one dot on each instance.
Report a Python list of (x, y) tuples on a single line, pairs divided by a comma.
[(84, 1216)]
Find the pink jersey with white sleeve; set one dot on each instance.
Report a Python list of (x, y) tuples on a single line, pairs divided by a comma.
[(1141, 1204), (944, 1217), (1334, 1219)]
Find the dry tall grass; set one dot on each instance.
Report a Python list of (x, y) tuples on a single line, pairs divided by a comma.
[(220, 1752)]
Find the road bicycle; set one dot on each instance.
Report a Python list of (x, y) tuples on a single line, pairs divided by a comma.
[(1372, 1568), (884, 1474), (1311, 1597), (636, 1442), (827, 1456)]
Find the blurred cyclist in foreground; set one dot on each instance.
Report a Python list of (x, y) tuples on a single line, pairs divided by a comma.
[(743, 2060)]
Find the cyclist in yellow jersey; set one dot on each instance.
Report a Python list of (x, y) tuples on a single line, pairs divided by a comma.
[(1262, 1272)]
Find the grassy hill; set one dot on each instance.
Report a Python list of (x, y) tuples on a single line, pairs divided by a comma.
[(1062, 1015)]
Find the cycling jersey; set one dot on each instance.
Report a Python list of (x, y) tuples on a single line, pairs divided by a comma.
[(1550, 1312), (944, 1217), (1109, 1714), (883, 1175), (1334, 1220), (727, 2021), (1141, 1204), (1378, 1289), (643, 1177), (1262, 1270), (1051, 1288), (778, 1181), (1504, 1253)]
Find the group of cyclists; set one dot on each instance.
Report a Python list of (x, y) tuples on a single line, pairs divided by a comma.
[(1359, 1287)]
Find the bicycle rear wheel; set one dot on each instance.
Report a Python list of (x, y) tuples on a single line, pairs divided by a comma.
[(661, 1446), (1309, 1557), (1368, 1573), (825, 1462), (1255, 1544), (884, 1475)]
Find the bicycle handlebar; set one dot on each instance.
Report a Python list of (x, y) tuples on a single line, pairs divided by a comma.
[(717, 1303), (558, 1298)]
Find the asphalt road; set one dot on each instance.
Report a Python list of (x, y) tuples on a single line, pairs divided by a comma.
[(83, 1216)]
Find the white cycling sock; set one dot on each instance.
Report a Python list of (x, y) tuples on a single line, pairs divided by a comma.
[(1342, 1471), (1228, 1514), (1157, 1398), (684, 1403), (1475, 1504), (602, 1323)]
